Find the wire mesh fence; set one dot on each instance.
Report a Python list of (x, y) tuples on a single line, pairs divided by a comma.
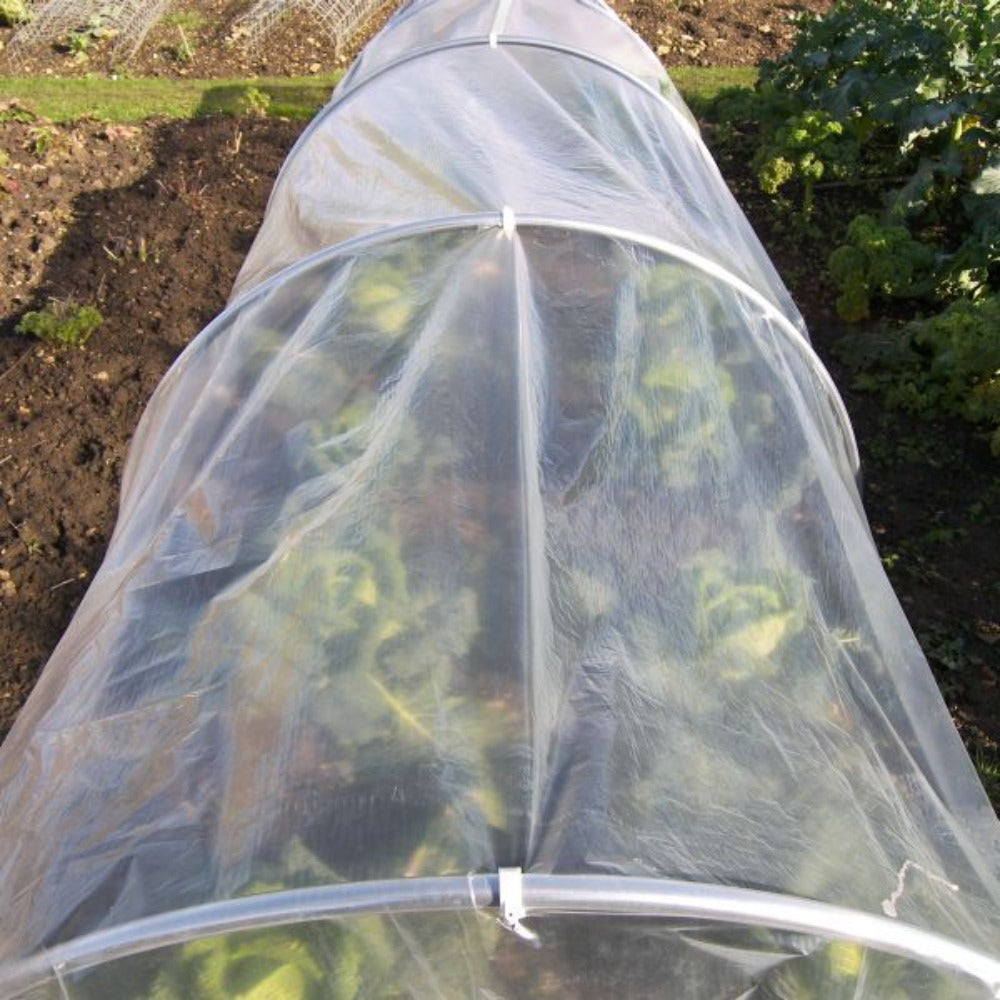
[(128, 22), (339, 19)]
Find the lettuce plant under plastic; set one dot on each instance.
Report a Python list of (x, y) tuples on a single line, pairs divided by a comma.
[(491, 610)]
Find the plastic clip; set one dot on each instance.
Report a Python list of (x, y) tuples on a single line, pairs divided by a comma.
[(499, 22), (512, 910), (508, 221)]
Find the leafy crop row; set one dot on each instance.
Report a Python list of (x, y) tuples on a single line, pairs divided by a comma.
[(463, 572), (462, 590), (902, 97)]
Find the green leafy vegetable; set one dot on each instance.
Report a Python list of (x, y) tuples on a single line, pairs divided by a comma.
[(807, 147), (879, 260)]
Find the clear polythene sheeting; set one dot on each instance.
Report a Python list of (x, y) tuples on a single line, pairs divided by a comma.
[(490, 547), (587, 26), (544, 131)]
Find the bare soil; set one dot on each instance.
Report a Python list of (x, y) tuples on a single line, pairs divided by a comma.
[(150, 223)]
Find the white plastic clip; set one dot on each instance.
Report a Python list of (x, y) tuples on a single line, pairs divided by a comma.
[(499, 22), (57, 971), (509, 223), (512, 904)]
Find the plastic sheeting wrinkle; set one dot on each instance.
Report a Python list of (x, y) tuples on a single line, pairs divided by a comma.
[(472, 889)]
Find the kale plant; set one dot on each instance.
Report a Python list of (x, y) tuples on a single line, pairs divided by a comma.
[(903, 93)]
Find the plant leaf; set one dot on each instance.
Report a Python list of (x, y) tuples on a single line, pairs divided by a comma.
[(988, 182)]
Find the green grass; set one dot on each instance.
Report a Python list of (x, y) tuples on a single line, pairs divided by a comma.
[(132, 100), (702, 83), (189, 20)]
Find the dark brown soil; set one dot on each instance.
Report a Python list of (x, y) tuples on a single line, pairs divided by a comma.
[(716, 32), (151, 223)]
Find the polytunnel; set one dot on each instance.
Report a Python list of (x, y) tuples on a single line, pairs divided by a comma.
[(491, 610)]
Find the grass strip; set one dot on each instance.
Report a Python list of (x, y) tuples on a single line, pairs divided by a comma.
[(702, 83), (136, 99)]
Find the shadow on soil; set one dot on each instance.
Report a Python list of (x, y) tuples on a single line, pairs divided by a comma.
[(157, 257)]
